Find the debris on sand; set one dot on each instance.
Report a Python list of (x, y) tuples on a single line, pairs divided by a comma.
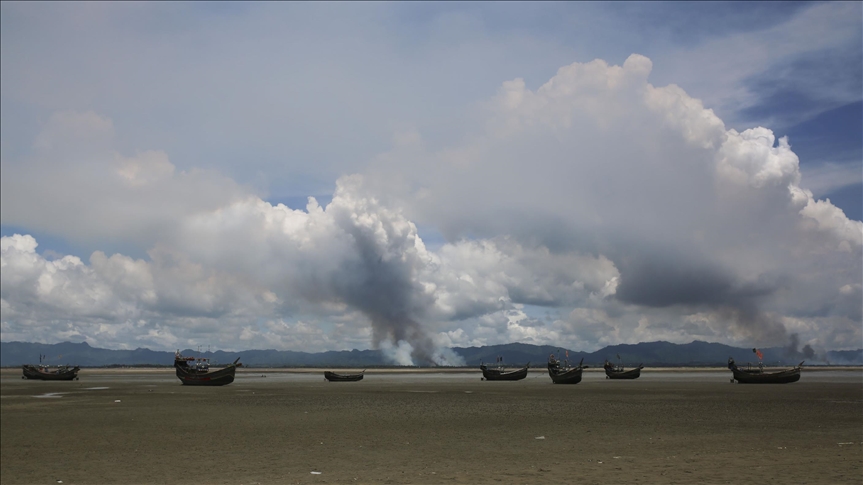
[(540, 437), (316, 473)]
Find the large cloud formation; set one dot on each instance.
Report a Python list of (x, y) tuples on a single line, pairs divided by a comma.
[(626, 211), (697, 219)]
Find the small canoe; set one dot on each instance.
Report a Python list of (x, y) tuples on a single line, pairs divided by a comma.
[(614, 372), (758, 376), (44, 373), (333, 377), (563, 375), (502, 375)]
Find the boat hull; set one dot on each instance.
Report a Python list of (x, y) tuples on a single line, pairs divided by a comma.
[(743, 376), (497, 375), (630, 374), (333, 377), (782, 377), (33, 372), (219, 377), (564, 376)]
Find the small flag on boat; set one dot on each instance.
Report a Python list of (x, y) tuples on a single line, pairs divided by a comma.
[(758, 353), (567, 354), (618, 356)]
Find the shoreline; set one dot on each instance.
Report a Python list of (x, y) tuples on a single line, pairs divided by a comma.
[(425, 370)]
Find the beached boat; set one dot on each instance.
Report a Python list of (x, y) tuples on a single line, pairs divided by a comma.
[(565, 374), (45, 373), (333, 377), (618, 372), (758, 376), (196, 371), (499, 374)]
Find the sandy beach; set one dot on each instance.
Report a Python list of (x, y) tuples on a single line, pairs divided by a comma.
[(277, 426)]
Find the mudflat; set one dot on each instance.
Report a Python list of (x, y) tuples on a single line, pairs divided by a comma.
[(279, 427)]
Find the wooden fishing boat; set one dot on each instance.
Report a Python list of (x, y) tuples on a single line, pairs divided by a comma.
[(196, 371), (333, 377), (45, 373), (500, 374), (565, 374), (618, 372), (758, 376)]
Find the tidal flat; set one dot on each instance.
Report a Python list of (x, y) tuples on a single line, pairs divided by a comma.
[(278, 426)]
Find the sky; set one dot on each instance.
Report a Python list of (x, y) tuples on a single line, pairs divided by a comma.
[(417, 176)]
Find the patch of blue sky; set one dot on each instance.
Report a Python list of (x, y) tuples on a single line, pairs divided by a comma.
[(849, 199), (53, 247), (432, 238), (830, 148), (815, 99), (541, 314), (834, 136), (49, 246), (679, 22), (299, 202), (688, 23), (813, 83)]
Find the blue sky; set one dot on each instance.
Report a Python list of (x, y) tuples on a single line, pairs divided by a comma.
[(229, 101)]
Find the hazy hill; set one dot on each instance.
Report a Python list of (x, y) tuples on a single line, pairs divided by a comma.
[(649, 353), (696, 353)]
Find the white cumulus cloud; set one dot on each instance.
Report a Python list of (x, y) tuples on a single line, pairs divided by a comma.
[(623, 211)]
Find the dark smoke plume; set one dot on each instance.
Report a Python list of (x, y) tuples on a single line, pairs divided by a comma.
[(381, 282), (806, 352)]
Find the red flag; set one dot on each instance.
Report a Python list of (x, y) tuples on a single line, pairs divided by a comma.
[(758, 353)]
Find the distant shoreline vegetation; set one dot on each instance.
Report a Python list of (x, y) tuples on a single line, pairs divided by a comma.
[(650, 354)]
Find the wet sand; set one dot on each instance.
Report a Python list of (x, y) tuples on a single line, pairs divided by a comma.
[(667, 427)]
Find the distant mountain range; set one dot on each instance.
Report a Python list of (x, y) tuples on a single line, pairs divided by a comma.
[(660, 354)]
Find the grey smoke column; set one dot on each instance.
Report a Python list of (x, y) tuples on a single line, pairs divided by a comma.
[(381, 280)]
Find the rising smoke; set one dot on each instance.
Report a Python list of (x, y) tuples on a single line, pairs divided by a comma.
[(381, 279), (793, 350)]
